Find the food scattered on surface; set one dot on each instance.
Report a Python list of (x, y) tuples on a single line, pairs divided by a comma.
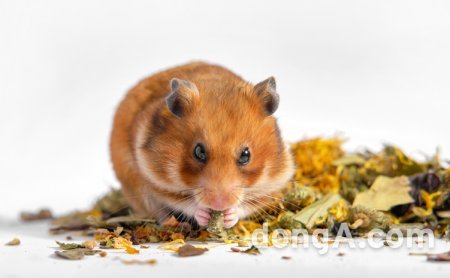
[(13, 242), (385, 193), (73, 254), (146, 262), (330, 188), (215, 227), (443, 257), (253, 250), (286, 257), (69, 246), (103, 254), (188, 250), (90, 244), (242, 243), (42, 214)]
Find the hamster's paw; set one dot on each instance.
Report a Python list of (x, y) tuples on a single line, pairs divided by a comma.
[(230, 217), (202, 216)]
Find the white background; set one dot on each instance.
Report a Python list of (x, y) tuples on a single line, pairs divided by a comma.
[(373, 71)]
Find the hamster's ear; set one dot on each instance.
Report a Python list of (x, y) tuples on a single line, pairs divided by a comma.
[(180, 100), (267, 92)]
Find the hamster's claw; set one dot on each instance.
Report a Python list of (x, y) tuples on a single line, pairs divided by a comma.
[(202, 216), (230, 218)]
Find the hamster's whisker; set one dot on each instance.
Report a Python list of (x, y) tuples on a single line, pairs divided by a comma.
[(254, 209), (281, 200), (190, 205), (253, 206), (171, 210), (265, 204)]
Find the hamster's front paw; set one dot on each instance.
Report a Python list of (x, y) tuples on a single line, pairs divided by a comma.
[(202, 216), (230, 217)]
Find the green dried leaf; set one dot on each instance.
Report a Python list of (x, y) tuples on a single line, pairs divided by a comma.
[(286, 221), (253, 250), (298, 198), (385, 193), (112, 202), (130, 220), (215, 226), (70, 246), (309, 215), (74, 254)]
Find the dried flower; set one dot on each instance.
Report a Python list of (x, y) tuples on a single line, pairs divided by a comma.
[(365, 219)]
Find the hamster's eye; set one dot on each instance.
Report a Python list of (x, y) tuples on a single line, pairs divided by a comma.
[(245, 157), (200, 153)]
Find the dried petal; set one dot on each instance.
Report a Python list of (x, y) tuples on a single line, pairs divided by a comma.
[(190, 250)]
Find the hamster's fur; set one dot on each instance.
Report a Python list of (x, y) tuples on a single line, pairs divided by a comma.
[(197, 137)]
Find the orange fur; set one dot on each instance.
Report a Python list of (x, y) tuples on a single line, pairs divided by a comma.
[(152, 149)]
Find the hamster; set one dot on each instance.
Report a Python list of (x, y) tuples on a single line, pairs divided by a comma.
[(197, 138)]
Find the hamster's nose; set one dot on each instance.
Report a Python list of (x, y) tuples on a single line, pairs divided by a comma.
[(218, 203), (219, 200)]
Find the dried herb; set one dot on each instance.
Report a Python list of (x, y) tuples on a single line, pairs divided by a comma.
[(298, 197), (385, 193), (384, 187), (286, 221), (253, 250), (112, 204), (147, 262), (13, 242), (91, 252), (286, 258), (42, 214), (74, 254), (309, 215), (90, 244), (188, 250), (69, 246), (215, 226), (443, 257), (366, 219), (242, 243)]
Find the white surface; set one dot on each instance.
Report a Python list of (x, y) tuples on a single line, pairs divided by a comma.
[(34, 258), (374, 71)]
